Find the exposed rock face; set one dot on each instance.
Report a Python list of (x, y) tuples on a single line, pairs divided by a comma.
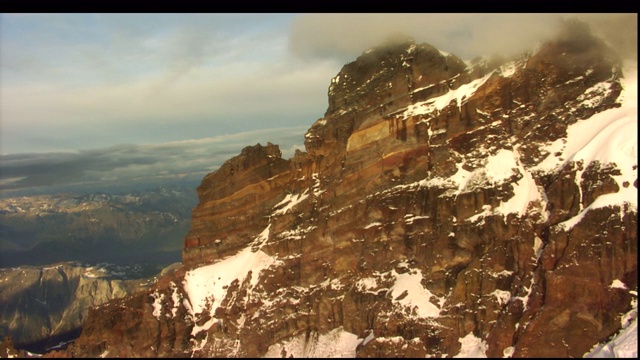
[(43, 306), (231, 201), (437, 205)]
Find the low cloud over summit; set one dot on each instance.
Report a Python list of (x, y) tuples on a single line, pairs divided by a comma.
[(466, 35)]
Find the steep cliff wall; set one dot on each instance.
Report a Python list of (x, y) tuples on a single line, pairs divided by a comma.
[(232, 200), (41, 307)]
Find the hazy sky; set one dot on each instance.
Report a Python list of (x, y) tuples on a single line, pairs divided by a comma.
[(77, 88)]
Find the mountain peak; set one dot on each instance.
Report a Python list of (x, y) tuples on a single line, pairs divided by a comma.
[(575, 51), (382, 73)]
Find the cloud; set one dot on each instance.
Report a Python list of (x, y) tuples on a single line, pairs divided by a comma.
[(75, 48), (620, 31), (346, 36), (128, 164), (203, 101), (85, 81)]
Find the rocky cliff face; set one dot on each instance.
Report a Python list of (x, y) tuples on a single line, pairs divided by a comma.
[(441, 208), (41, 307)]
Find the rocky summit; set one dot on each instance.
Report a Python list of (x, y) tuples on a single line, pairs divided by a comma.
[(441, 208)]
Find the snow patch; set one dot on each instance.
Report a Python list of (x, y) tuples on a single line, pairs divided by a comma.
[(472, 347), (501, 273), (594, 95), (417, 297), (525, 298), (290, 201), (264, 235), (508, 69), (502, 296), (175, 297), (624, 344), (525, 191), (499, 168), (316, 185), (209, 283), (410, 218), (368, 338), (373, 224), (464, 92), (600, 202), (461, 177), (367, 285), (617, 284), (537, 247), (508, 352), (604, 137), (337, 343), (296, 234), (157, 304)]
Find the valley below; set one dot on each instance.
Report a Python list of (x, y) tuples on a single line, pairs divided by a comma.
[(64, 253)]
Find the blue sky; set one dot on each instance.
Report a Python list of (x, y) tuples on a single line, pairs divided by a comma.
[(79, 84)]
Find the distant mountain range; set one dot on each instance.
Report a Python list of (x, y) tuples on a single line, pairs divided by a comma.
[(140, 226)]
